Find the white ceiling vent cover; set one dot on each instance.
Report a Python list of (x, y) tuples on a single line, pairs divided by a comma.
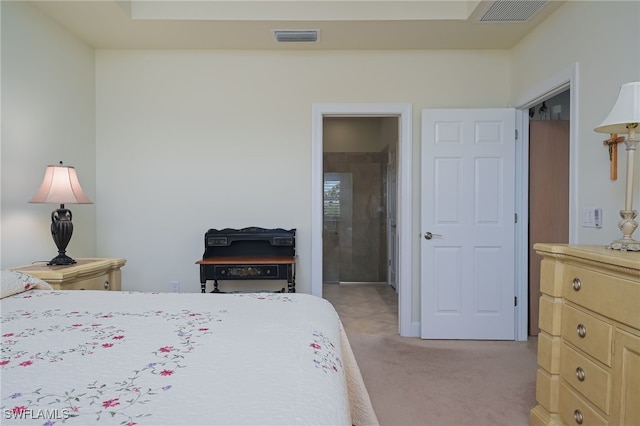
[(512, 10), (292, 36)]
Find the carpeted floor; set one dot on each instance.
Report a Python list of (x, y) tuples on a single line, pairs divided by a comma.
[(433, 382)]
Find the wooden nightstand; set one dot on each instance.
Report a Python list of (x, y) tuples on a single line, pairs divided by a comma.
[(86, 274)]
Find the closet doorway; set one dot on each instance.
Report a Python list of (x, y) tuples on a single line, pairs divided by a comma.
[(549, 167)]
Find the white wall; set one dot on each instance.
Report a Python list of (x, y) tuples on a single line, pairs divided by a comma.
[(604, 38), (189, 140), (47, 117)]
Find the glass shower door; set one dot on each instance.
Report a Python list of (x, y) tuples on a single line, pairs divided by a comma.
[(337, 216), (355, 223)]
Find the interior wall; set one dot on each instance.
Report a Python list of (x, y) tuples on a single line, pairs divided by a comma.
[(556, 45), (189, 140), (353, 134), (48, 116)]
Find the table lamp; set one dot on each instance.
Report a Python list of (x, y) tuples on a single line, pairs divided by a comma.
[(624, 118), (61, 186)]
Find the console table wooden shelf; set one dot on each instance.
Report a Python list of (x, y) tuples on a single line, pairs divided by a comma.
[(85, 274), (247, 268), (589, 341)]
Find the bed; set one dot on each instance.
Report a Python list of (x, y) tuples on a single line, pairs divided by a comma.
[(128, 358)]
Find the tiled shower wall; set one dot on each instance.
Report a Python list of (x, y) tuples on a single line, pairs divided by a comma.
[(358, 252)]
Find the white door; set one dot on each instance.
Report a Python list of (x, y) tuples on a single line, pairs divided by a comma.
[(468, 222)]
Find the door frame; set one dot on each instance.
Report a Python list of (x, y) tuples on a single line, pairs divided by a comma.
[(567, 79), (404, 113)]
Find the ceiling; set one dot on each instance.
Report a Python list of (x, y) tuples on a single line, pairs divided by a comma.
[(249, 24)]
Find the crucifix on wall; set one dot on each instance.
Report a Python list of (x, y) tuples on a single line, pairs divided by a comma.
[(612, 144)]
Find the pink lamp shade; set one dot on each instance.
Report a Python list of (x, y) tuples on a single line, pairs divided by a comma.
[(61, 186)]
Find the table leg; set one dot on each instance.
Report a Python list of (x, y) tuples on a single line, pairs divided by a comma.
[(292, 279)]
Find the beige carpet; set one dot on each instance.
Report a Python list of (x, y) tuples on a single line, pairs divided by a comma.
[(433, 382)]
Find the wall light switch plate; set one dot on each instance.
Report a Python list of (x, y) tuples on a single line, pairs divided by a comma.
[(175, 286), (592, 218)]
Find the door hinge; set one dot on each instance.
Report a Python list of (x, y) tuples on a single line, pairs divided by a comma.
[(516, 217), (515, 301), (516, 134)]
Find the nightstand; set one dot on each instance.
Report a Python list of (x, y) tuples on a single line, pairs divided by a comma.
[(86, 274)]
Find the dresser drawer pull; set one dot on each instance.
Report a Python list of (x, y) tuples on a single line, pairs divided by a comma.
[(582, 330), (578, 417), (106, 285), (577, 284), (580, 374)]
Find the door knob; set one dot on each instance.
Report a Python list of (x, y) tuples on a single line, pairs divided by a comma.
[(428, 235)]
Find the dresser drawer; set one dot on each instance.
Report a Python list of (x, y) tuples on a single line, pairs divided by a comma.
[(574, 410), (588, 333), (607, 294), (591, 380), (96, 283)]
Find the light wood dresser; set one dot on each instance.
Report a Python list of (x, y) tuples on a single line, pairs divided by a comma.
[(589, 341), (86, 274)]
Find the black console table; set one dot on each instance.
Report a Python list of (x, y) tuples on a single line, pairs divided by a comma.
[(248, 254)]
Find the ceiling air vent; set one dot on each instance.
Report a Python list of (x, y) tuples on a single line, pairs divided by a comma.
[(512, 10), (289, 36)]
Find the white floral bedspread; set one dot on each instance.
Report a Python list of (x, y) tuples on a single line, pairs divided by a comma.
[(84, 357)]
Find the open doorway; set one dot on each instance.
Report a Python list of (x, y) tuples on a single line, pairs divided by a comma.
[(359, 240), (549, 165), (403, 114)]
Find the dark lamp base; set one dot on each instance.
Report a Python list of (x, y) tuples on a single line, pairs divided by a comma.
[(61, 259), (61, 231)]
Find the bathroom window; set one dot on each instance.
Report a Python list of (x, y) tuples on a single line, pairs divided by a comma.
[(331, 198)]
